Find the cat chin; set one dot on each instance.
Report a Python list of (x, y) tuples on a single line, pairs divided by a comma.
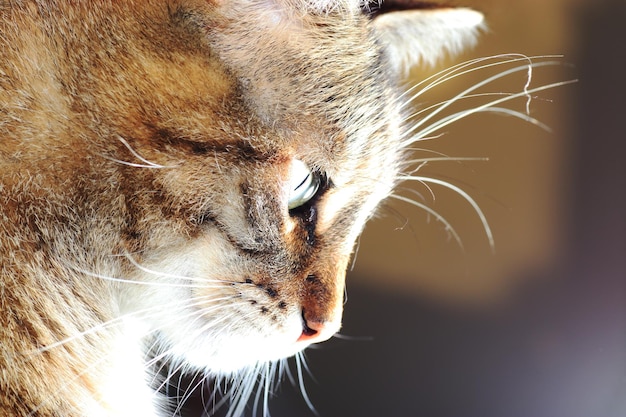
[(223, 350)]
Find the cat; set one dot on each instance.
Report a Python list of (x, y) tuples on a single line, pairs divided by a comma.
[(183, 182)]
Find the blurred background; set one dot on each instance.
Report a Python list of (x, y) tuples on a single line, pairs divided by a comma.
[(536, 327)]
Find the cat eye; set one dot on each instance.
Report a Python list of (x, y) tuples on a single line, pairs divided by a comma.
[(303, 185)]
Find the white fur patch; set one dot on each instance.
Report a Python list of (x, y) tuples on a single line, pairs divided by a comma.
[(124, 389)]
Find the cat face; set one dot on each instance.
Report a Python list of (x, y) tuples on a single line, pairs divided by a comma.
[(258, 265), (306, 103)]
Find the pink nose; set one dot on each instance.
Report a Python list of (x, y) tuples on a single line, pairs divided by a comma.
[(311, 330)]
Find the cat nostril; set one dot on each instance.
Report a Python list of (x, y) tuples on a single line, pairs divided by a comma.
[(307, 331), (310, 329)]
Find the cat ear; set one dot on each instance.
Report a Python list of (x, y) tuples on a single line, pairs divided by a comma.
[(415, 32)]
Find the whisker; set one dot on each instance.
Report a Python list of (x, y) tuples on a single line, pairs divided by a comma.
[(423, 161), (152, 283), (443, 103), (355, 253), (488, 107), (202, 281), (436, 215), (402, 220), (301, 363), (92, 330), (424, 127), (460, 70), (341, 336), (481, 108), (242, 390), (173, 306), (187, 393), (145, 164), (265, 382), (466, 196), (418, 194), (142, 268)]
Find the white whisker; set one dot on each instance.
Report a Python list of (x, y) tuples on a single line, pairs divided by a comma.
[(429, 121), (341, 336), (466, 68), (188, 392), (152, 283), (436, 215), (301, 363), (490, 106), (265, 382), (467, 198), (529, 78), (145, 164), (460, 70), (92, 330), (424, 161), (172, 306), (419, 195), (459, 115), (142, 268)]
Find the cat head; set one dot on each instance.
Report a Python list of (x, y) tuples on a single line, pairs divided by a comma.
[(220, 158), (251, 144)]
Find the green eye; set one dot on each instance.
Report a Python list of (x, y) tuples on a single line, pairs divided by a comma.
[(304, 184)]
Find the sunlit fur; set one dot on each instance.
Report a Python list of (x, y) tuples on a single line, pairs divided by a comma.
[(145, 154)]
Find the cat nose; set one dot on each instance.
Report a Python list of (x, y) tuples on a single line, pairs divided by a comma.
[(311, 331), (315, 331)]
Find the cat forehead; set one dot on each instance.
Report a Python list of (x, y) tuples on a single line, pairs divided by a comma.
[(293, 63)]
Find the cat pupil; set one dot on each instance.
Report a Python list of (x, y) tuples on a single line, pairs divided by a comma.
[(304, 184)]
